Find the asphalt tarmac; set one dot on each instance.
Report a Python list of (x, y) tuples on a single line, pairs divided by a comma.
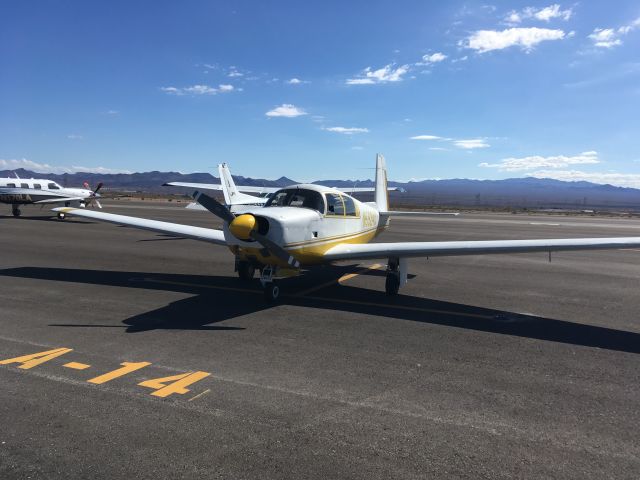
[(501, 366)]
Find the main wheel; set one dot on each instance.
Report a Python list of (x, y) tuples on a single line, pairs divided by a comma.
[(271, 292), (246, 271), (61, 216), (392, 284), (16, 212)]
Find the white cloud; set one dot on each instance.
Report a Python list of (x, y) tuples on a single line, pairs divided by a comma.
[(612, 37), (537, 161), (357, 147), (286, 110), (235, 74), (433, 58), (296, 81), (14, 164), (388, 73), (74, 136), (197, 90), (526, 38), (346, 130), (426, 137), (438, 149), (471, 143), (631, 180), (112, 112), (545, 14)]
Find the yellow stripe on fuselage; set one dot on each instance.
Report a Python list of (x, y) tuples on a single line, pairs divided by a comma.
[(310, 252)]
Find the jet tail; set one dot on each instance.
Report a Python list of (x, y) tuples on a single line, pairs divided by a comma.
[(381, 192)]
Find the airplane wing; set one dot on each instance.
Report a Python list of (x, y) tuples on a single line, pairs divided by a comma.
[(60, 200), (435, 249), (417, 214), (196, 233), (365, 189), (217, 186)]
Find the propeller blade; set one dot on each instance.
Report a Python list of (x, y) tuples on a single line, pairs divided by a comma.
[(214, 206), (97, 188), (275, 249), (98, 204)]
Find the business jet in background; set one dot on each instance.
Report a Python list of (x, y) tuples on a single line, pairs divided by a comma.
[(40, 191), (305, 225)]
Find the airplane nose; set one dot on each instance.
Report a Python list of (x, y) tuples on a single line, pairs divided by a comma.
[(242, 226)]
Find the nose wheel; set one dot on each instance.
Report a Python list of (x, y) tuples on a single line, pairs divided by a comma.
[(245, 270), (61, 216), (270, 288), (16, 211)]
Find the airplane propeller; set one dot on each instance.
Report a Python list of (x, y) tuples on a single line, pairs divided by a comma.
[(94, 194), (244, 227)]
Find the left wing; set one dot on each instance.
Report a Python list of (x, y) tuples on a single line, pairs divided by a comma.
[(196, 233), (435, 249), (217, 186)]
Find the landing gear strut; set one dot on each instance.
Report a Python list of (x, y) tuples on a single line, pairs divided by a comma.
[(16, 211), (246, 270), (271, 288), (396, 275)]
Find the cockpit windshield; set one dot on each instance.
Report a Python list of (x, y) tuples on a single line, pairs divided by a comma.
[(297, 197)]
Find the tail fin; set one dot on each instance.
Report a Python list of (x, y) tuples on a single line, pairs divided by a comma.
[(382, 194), (229, 188)]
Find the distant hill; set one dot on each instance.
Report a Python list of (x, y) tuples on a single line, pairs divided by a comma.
[(513, 192)]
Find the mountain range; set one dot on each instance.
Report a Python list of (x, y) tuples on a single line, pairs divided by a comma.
[(512, 192)]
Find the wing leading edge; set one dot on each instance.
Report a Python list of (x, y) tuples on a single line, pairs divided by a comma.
[(196, 233), (483, 247)]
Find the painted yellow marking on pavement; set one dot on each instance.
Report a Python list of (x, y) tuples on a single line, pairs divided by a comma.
[(179, 382), (199, 395), (35, 359), (402, 307), (127, 367), (76, 365), (343, 278)]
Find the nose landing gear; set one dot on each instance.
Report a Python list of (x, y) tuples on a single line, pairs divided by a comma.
[(15, 210), (270, 288), (246, 270), (396, 275)]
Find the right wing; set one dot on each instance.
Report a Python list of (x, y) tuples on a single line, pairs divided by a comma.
[(196, 233), (347, 251)]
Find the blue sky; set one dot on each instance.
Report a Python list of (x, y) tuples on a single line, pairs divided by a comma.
[(312, 90)]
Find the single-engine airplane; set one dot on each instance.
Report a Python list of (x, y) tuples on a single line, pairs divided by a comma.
[(40, 191), (305, 225)]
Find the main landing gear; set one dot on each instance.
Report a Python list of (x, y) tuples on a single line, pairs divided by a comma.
[(61, 216), (396, 275), (15, 210), (246, 270)]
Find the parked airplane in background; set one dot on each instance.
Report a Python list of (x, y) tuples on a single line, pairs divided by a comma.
[(306, 224), (39, 191)]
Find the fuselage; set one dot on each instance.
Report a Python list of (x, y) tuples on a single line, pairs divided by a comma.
[(307, 220), (21, 191)]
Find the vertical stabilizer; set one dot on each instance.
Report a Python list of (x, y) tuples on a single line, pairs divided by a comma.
[(229, 188), (382, 194)]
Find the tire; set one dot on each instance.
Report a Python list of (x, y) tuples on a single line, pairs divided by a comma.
[(392, 284), (61, 216), (16, 212), (271, 292), (246, 271)]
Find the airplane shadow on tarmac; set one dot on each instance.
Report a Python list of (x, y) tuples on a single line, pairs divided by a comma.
[(217, 299)]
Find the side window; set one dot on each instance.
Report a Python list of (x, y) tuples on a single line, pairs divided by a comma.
[(37, 186), (24, 185), (335, 205), (13, 185), (349, 206), (53, 186)]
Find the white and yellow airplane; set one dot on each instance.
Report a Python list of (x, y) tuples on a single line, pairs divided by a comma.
[(305, 225)]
